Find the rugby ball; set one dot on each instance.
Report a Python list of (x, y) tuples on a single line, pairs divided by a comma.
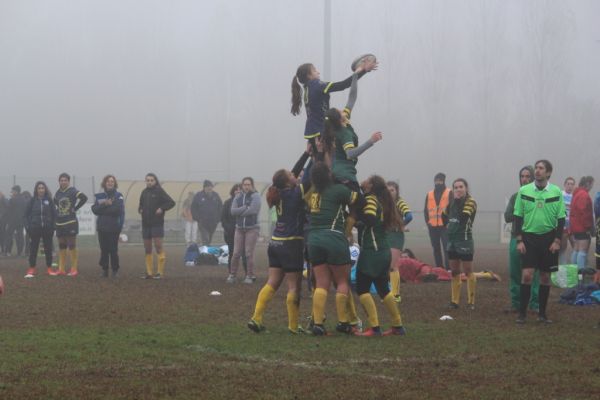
[(1, 286), (360, 59)]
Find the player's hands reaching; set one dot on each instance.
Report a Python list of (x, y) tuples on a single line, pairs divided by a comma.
[(521, 248), (376, 137)]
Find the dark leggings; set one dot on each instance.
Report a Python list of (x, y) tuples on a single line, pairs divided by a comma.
[(35, 235), (109, 249), (363, 283)]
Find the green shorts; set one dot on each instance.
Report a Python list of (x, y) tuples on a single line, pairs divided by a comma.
[(328, 247), (374, 263), (396, 240)]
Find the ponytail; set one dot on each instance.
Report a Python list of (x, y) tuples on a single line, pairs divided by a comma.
[(296, 96), (301, 77), (273, 196), (391, 216), (280, 181)]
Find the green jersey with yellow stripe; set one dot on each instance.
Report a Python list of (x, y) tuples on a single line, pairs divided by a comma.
[(328, 209), (372, 234), (344, 169), (460, 215)]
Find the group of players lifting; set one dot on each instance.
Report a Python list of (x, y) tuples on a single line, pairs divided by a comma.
[(319, 205)]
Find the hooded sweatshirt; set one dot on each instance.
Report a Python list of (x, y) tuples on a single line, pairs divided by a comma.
[(510, 208)]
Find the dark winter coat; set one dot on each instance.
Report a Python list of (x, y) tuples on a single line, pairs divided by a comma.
[(110, 217), (151, 200)]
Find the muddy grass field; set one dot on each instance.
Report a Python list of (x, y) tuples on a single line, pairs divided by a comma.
[(95, 338)]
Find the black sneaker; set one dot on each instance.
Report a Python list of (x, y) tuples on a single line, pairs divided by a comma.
[(344, 327), (318, 330), (520, 319), (453, 306), (255, 326)]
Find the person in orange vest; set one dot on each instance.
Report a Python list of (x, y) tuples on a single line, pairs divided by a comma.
[(436, 202)]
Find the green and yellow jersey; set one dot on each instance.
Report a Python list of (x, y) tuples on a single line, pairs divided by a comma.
[(372, 234), (327, 209), (460, 215)]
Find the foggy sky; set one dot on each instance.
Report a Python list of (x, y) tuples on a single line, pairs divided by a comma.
[(201, 89)]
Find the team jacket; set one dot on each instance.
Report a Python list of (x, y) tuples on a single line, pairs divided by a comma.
[(151, 200), (110, 217)]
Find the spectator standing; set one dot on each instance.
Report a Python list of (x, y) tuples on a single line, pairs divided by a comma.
[(3, 216), (67, 201), (189, 225), (110, 209), (581, 220), (228, 224), (436, 202), (245, 208), (14, 221), (206, 209), (567, 193), (154, 202), (40, 216)]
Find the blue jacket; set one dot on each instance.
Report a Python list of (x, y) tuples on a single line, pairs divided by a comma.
[(110, 217)]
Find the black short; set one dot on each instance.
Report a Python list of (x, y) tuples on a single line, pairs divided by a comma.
[(287, 255), (151, 232), (67, 230), (537, 252), (582, 236), (452, 255)]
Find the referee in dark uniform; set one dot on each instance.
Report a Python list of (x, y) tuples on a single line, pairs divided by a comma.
[(539, 223)]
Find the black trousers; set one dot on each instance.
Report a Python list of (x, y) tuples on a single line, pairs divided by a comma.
[(438, 236), (109, 250), (45, 235), (16, 231)]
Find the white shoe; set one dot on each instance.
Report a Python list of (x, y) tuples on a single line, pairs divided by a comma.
[(248, 280), (230, 279), (29, 276)]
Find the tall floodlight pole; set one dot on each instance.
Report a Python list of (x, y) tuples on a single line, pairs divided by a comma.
[(327, 39)]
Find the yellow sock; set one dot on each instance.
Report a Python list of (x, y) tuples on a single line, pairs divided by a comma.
[(318, 308), (74, 253), (264, 296), (162, 258), (471, 284), (351, 309), (292, 302), (367, 302), (149, 264), (341, 302), (456, 283), (392, 307), (395, 282), (62, 259)]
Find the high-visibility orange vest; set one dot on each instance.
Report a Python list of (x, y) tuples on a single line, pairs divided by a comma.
[(435, 210)]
